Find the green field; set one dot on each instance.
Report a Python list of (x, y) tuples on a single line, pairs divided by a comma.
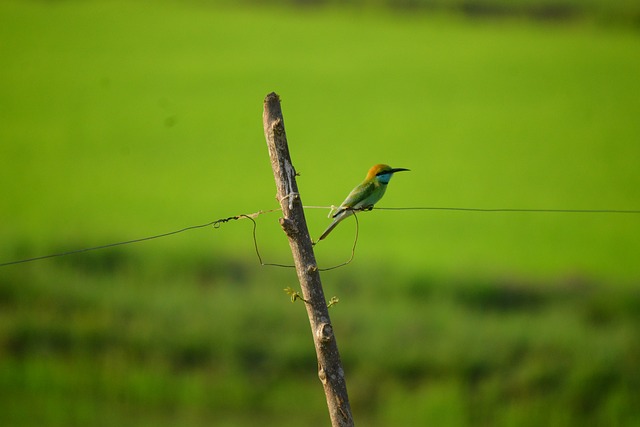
[(121, 120)]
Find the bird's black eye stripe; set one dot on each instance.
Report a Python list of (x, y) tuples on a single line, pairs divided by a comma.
[(382, 173)]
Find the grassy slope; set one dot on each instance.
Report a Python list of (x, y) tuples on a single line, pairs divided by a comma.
[(123, 120)]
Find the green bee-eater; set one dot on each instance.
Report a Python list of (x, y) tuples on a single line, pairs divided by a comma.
[(365, 195)]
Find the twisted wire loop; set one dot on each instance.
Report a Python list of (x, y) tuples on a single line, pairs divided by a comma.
[(273, 264), (217, 223)]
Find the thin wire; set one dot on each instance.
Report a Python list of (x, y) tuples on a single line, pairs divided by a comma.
[(255, 244), (218, 222), (215, 224)]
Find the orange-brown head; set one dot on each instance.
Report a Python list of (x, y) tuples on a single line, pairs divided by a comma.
[(383, 172)]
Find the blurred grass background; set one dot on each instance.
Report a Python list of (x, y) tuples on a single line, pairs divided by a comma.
[(121, 120)]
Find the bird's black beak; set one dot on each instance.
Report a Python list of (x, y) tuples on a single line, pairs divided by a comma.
[(394, 170)]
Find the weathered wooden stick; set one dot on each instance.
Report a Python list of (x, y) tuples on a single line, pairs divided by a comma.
[(295, 227)]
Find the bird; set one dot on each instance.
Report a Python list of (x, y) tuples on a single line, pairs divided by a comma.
[(364, 196)]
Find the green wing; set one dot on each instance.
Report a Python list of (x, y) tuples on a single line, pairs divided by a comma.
[(359, 197), (365, 194)]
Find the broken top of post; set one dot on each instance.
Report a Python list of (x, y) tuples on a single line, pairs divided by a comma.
[(273, 123)]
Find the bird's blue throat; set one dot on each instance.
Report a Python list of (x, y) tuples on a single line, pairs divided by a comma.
[(384, 178)]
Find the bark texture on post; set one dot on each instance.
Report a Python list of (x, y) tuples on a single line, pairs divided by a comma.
[(295, 227)]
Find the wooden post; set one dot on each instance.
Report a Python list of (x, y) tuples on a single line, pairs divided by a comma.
[(295, 227)]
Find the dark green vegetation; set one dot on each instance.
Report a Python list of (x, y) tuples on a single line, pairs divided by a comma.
[(100, 341), (611, 12), (122, 120)]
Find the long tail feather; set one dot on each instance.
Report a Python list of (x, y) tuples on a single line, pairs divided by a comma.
[(337, 219)]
